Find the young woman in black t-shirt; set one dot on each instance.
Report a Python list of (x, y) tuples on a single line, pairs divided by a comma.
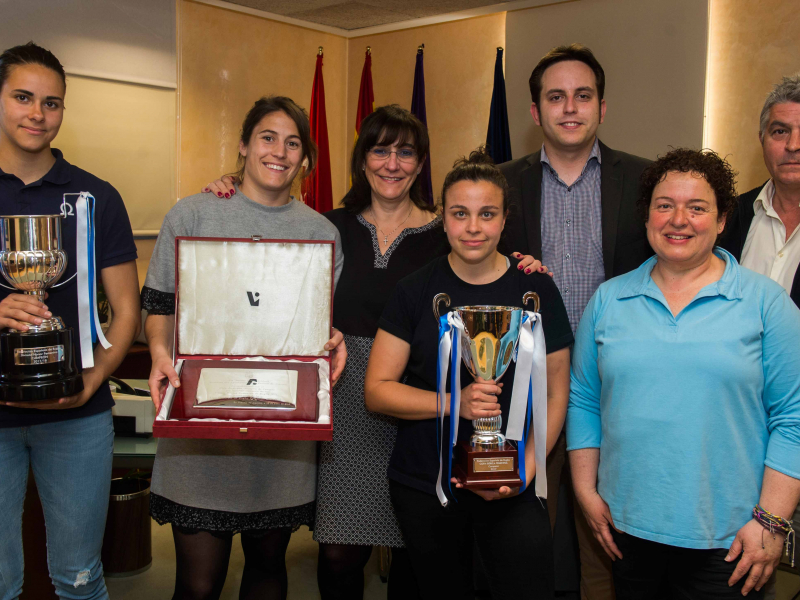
[(513, 535)]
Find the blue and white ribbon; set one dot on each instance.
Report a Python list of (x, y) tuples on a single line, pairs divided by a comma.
[(89, 330), (451, 328), (528, 397)]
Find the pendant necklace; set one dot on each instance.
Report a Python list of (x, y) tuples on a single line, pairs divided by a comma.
[(385, 236)]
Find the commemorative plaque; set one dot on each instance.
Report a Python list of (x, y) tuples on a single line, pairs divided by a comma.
[(252, 317), (37, 364)]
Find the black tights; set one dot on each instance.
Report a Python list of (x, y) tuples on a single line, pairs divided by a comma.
[(340, 573), (340, 570), (202, 564)]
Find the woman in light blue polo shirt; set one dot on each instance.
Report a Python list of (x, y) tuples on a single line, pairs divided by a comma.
[(684, 417)]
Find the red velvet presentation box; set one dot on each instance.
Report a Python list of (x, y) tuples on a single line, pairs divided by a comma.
[(255, 304)]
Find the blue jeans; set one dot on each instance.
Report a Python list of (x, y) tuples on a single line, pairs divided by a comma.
[(71, 463)]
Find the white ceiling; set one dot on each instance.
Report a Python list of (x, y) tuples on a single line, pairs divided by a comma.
[(351, 15)]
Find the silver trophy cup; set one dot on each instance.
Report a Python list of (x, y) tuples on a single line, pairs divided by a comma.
[(39, 363), (487, 349)]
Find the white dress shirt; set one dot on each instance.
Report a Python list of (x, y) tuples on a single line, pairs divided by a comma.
[(766, 250)]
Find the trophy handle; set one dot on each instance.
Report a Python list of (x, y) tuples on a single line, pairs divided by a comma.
[(436, 300), (531, 296)]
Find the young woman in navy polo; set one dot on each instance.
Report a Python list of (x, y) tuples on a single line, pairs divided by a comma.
[(68, 442)]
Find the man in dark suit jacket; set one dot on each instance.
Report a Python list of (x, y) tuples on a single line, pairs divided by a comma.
[(573, 206), (762, 234), (625, 245)]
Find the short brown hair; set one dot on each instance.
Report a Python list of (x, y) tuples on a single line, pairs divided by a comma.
[(29, 54), (383, 127), (270, 104), (559, 54), (717, 172)]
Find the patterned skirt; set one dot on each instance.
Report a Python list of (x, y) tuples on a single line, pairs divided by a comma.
[(164, 510), (353, 505)]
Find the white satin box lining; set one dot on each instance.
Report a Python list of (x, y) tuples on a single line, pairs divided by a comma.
[(253, 299)]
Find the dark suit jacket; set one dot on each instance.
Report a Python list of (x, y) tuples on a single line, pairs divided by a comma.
[(735, 234), (625, 244)]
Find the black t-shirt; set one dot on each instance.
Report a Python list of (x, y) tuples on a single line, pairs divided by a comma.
[(113, 245), (368, 278), (409, 316)]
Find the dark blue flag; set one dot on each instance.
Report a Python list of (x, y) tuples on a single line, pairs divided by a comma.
[(418, 110), (498, 140)]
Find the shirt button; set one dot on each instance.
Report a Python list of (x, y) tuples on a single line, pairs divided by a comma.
[(568, 255), (780, 255), (568, 221), (566, 290)]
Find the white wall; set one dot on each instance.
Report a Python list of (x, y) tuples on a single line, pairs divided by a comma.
[(131, 40), (654, 56), (119, 122)]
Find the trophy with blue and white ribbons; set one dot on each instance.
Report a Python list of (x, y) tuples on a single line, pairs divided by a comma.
[(487, 339), (39, 363)]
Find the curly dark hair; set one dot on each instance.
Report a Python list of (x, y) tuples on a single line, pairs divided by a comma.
[(711, 166), (479, 166)]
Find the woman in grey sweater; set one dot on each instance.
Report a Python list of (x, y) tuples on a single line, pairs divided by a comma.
[(210, 490)]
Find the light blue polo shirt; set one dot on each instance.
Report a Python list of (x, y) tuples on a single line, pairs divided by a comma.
[(687, 410)]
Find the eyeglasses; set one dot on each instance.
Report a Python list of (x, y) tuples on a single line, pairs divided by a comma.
[(406, 155)]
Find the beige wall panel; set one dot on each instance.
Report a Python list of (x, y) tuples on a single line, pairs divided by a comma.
[(751, 46), (228, 60), (124, 133), (653, 53), (144, 248), (459, 74)]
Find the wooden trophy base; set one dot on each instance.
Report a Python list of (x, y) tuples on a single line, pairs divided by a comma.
[(479, 468)]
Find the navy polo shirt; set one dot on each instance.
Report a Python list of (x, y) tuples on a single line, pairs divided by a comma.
[(113, 245)]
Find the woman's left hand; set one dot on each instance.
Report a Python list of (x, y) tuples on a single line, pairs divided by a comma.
[(529, 265), (339, 355), (761, 553)]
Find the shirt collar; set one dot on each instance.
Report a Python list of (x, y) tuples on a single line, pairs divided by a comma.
[(640, 282), (595, 153), (58, 174), (764, 198)]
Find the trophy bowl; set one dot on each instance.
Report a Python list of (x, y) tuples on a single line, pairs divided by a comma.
[(488, 342), (39, 363)]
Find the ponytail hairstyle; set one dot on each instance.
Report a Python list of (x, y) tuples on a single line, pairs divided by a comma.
[(479, 166), (29, 54), (268, 105)]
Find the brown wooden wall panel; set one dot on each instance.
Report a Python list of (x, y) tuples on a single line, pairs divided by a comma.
[(751, 46), (459, 75), (227, 60)]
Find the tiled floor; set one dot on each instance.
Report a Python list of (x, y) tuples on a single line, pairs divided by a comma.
[(157, 582)]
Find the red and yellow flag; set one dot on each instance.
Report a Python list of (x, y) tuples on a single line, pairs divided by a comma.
[(317, 191)]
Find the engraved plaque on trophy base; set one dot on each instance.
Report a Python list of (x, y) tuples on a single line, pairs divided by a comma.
[(480, 467), (38, 366)]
